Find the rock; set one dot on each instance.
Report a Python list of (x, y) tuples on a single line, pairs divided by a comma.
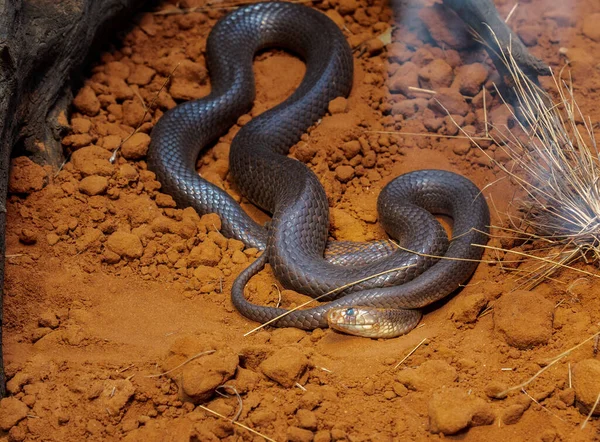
[(351, 149), (200, 377), (374, 46), (125, 244), (344, 173), (449, 101), (90, 237), (81, 125), (16, 383), (437, 74), (306, 419), (25, 176), (452, 410), (207, 253), (86, 101), (446, 28), (347, 7), (295, 434), (93, 185), (136, 147), (585, 383), (466, 308), (430, 375), (76, 141), (133, 114), (470, 79), (92, 160), (590, 26), (512, 414), (405, 77), (27, 237), (164, 200), (48, 319), (12, 411), (210, 277), (338, 105), (116, 394), (239, 257), (285, 366), (117, 69), (141, 75), (524, 319), (127, 173)]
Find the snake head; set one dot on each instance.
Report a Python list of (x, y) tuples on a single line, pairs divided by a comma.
[(372, 322), (358, 321)]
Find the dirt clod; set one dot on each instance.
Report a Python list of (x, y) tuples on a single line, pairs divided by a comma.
[(524, 319)]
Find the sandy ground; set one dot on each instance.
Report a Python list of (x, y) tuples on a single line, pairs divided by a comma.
[(108, 284)]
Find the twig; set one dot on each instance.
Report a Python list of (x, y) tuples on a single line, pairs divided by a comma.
[(409, 354), (236, 423), (187, 361), (590, 413)]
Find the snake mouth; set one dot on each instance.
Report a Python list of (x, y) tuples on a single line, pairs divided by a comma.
[(356, 321)]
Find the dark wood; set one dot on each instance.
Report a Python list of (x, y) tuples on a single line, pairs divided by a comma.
[(42, 44)]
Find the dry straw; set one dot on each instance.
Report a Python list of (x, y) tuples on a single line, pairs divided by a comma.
[(555, 161)]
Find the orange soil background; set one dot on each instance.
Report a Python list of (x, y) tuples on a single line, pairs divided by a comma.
[(108, 284)]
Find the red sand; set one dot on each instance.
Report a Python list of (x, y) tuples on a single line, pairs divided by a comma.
[(107, 283)]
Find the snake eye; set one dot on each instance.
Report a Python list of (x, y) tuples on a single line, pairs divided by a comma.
[(350, 312)]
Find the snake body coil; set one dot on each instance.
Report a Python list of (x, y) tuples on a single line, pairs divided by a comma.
[(296, 239)]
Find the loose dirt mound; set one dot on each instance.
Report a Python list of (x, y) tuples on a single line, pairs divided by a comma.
[(118, 323)]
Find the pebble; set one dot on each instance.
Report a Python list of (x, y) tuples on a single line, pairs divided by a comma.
[(346, 7), (125, 244), (449, 101), (136, 147), (93, 185), (513, 413), (438, 74), (585, 383), (430, 375), (524, 319), (452, 410), (306, 419), (285, 366), (81, 125), (133, 115), (466, 308), (27, 236), (200, 377), (470, 79), (141, 75), (338, 105), (92, 160), (48, 319), (87, 102), (12, 411), (207, 253), (344, 173), (26, 176), (295, 434)]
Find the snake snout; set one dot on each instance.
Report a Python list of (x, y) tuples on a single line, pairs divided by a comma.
[(353, 320)]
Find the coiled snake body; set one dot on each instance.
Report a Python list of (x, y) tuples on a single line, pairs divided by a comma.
[(296, 239)]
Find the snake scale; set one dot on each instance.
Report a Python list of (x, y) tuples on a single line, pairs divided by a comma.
[(295, 240)]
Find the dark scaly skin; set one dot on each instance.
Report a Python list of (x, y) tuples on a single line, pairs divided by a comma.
[(296, 239)]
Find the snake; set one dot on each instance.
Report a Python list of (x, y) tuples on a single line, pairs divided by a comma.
[(370, 289)]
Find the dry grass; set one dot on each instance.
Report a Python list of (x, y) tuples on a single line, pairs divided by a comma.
[(555, 161)]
